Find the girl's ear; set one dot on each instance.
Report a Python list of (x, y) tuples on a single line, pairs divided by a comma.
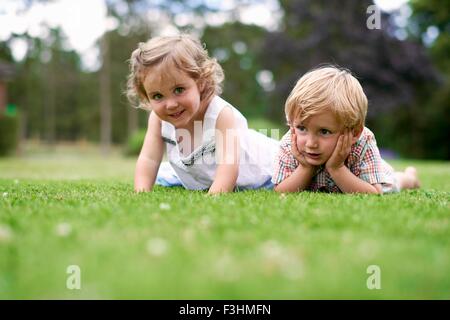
[(201, 86), (356, 133)]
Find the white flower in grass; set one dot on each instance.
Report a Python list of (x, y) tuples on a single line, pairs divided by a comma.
[(368, 249), (63, 229), (188, 236), (5, 194), (164, 206), (271, 250), (254, 219), (276, 258), (205, 222), (5, 234), (226, 268), (157, 247)]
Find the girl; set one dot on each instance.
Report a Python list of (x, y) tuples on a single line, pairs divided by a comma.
[(208, 143)]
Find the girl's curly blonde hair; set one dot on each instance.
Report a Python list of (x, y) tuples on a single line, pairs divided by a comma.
[(183, 52)]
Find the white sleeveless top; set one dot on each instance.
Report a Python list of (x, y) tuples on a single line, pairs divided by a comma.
[(196, 171)]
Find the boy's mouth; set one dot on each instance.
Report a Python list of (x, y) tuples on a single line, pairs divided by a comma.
[(176, 115), (312, 155)]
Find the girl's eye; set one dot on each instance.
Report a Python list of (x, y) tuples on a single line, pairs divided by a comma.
[(301, 128), (179, 90), (157, 96), (325, 131)]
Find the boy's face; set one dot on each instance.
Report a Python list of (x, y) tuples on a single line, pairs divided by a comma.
[(317, 137), (173, 96)]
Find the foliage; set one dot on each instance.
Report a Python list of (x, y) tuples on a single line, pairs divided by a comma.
[(406, 81), (397, 76), (434, 13), (238, 48), (9, 134), (135, 142)]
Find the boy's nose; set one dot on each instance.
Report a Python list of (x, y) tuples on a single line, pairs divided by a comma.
[(311, 142)]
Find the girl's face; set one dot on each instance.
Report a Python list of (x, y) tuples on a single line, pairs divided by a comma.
[(174, 96), (317, 137)]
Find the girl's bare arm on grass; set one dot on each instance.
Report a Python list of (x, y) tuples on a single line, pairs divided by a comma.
[(150, 156), (227, 151)]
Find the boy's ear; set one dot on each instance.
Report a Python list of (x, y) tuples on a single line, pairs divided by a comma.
[(356, 133)]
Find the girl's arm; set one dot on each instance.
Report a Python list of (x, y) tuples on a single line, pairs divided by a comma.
[(342, 176), (227, 153), (150, 157)]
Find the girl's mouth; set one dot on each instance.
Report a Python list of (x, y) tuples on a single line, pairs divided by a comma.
[(176, 115)]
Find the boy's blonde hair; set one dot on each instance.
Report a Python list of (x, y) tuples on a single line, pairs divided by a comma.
[(328, 88), (183, 52)]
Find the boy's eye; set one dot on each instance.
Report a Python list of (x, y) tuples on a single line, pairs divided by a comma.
[(325, 131), (179, 90), (301, 128), (157, 96)]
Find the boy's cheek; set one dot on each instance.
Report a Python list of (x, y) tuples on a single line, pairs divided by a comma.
[(300, 145)]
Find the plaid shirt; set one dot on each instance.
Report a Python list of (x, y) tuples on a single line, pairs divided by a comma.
[(364, 161)]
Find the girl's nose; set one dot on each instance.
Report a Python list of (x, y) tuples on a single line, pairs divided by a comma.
[(171, 104)]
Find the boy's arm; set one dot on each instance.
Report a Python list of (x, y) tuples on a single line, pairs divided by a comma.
[(349, 183), (301, 177), (150, 156), (341, 175), (297, 181), (227, 153)]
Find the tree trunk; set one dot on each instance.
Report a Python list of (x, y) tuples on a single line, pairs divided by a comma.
[(133, 124), (50, 103), (105, 98)]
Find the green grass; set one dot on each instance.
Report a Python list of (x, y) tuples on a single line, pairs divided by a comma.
[(176, 244)]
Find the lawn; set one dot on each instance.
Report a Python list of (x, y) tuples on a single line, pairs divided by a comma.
[(77, 209)]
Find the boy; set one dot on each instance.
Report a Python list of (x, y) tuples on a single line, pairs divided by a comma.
[(327, 147)]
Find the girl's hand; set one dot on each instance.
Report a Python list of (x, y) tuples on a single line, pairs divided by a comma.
[(296, 153), (341, 151)]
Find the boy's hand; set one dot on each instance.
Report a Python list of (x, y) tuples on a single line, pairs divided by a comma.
[(341, 151), (297, 155)]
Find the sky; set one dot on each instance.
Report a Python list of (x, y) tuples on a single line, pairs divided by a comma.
[(84, 21)]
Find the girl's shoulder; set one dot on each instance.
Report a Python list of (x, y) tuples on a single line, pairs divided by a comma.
[(216, 106)]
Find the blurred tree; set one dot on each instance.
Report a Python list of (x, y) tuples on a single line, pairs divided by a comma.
[(124, 118), (432, 19), (237, 47), (6, 72), (116, 46), (396, 75), (5, 52), (430, 22), (46, 87)]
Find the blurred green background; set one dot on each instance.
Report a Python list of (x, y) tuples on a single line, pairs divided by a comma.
[(404, 67)]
